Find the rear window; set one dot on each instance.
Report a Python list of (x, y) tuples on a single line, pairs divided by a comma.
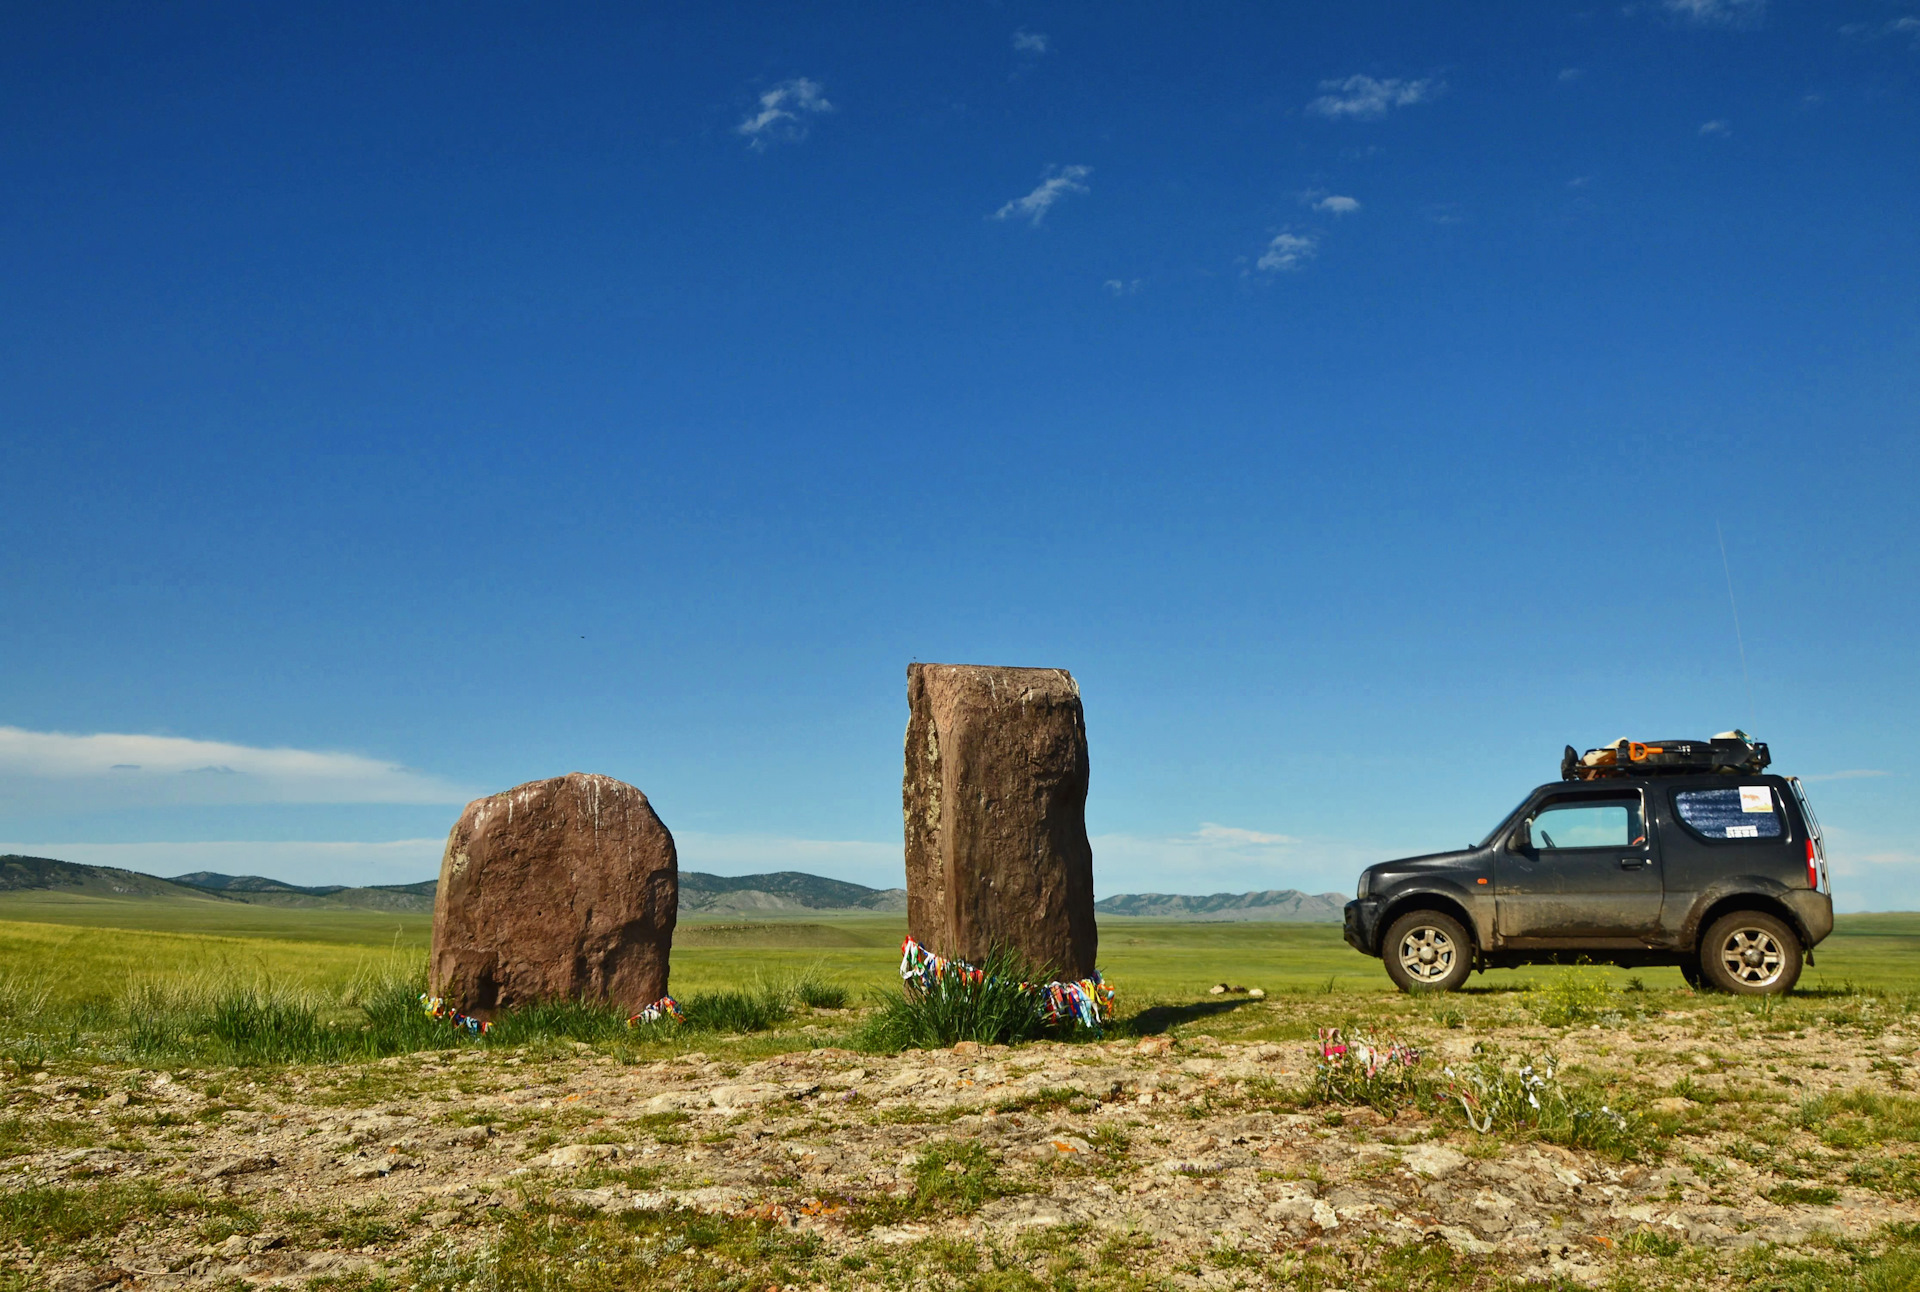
[(1736, 812)]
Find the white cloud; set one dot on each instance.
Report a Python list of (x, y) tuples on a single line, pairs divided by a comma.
[(1856, 775), (106, 771), (1334, 204), (1287, 251), (1034, 206), (397, 861), (1363, 97), (1718, 13), (1231, 836), (783, 112), (1711, 128), (1123, 286), (1570, 74), (1029, 42)]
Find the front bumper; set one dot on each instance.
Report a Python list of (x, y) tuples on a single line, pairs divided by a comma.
[(1361, 924)]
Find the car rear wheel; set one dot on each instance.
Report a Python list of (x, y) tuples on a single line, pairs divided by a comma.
[(1427, 951), (1750, 953)]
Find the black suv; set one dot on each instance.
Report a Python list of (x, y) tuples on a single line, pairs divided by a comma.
[(1717, 869)]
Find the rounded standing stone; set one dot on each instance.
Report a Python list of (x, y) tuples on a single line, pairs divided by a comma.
[(558, 889)]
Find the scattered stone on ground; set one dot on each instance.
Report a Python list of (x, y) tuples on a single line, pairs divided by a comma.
[(1191, 1145)]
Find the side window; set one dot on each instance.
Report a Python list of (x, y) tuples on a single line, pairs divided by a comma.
[(1737, 812), (1587, 824)]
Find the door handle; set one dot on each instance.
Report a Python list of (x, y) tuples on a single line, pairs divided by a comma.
[(1632, 863)]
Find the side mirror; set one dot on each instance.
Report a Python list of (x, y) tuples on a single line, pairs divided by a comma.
[(1521, 840)]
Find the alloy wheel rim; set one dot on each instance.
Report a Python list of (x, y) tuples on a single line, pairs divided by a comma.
[(1426, 953), (1753, 957)]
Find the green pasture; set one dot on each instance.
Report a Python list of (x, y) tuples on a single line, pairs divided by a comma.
[(73, 947)]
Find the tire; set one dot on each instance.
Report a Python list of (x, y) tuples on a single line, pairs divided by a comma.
[(1750, 953), (1426, 951)]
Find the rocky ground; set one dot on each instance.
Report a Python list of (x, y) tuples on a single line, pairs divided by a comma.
[(1768, 1141)]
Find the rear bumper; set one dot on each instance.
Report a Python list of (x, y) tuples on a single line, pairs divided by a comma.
[(1361, 925), (1814, 912)]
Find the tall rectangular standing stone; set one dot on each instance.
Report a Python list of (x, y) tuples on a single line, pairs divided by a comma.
[(995, 799)]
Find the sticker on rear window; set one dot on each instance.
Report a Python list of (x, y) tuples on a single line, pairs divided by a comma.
[(1755, 798)]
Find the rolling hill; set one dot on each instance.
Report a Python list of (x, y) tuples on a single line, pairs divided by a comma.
[(781, 893), (272, 892), (1281, 904)]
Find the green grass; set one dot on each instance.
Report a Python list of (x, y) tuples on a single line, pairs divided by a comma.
[(1147, 960)]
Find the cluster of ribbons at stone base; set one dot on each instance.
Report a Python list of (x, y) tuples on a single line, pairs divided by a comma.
[(665, 1009), (1088, 1002), (437, 1007)]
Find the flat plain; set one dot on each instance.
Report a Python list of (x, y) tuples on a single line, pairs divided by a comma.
[(1617, 1130)]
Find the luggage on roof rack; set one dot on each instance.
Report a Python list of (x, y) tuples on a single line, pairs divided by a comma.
[(1731, 752)]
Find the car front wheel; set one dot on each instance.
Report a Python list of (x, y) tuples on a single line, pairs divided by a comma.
[(1427, 951), (1750, 953)]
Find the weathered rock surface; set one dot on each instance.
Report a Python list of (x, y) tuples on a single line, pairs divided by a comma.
[(995, 798), (564, 888)]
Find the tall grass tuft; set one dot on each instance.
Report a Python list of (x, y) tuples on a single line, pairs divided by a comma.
[(993, 1009), (238, 1023), (758, 1006)]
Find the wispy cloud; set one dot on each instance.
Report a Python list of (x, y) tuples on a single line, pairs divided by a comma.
[(1287, 251), (1569, 74), (1718, 13), (1334, 204), (1034, 206), (783, 113), (1363, 97), (107, 771), (1223, 858), (1123, 286), (858, 861), (1029, 42), (1858, 774), (1711, 128)]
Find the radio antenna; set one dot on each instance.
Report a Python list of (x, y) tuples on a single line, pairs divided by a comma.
[(1739, 641)]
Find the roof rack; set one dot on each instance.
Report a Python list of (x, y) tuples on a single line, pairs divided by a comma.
[(1729, 753)]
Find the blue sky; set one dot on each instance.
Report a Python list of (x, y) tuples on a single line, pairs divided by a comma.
[(396, 406)]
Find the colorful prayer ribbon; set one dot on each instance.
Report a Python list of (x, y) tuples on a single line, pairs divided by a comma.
[(665, 1008), (1088, 1001), (437, 1007)]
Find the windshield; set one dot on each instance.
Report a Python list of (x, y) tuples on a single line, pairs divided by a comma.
[(1504, 822)]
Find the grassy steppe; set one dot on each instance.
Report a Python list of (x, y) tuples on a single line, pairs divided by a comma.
[(77, 946)]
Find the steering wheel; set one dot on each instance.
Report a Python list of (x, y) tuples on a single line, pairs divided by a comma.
[(1548, 839)]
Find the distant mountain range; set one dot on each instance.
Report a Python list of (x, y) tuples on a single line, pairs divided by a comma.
[(1288, 904), (47, 874), (700, 894)]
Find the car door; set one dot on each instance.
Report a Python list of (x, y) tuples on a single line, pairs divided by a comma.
[(1580, 869)]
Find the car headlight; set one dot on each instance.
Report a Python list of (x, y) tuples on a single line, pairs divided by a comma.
[(1360, 892)]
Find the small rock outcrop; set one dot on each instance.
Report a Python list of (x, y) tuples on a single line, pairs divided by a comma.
[(995, 798), (559, 889)]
